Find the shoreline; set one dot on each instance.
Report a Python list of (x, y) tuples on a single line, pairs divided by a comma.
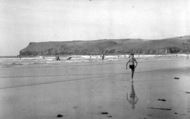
[(80, 59), (97, 56)]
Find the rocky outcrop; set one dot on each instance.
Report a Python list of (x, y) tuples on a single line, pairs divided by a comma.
[(109, 46)]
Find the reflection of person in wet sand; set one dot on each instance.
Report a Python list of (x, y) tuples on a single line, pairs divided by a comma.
[(132, 64), (132, 98)]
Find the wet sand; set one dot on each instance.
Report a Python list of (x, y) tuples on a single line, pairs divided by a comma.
[(96, 90)]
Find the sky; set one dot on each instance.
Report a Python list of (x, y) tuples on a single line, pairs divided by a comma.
[(24, 21)]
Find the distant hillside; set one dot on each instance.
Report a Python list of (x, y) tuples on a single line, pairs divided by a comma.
[(109, 46)]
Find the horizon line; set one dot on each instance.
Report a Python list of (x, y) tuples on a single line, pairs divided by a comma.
[(180, 36)]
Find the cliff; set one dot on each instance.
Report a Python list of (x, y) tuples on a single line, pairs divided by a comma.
[(109, 46)]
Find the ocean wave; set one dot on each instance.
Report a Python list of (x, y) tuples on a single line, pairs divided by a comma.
[(8, 62)]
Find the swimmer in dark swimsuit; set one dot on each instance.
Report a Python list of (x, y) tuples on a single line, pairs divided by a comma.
[(132, 64)]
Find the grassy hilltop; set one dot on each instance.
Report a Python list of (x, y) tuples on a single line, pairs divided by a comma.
[(109, 46)]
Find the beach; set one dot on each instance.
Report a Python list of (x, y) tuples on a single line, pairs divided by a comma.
[(36, 89)]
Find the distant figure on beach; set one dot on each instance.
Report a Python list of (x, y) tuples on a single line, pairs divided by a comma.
[(69, 58), (132, 63), (132, 98), (19, 56), (57, 58), (103, 56)]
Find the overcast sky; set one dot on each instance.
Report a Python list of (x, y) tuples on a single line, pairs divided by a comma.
[(24, 21)]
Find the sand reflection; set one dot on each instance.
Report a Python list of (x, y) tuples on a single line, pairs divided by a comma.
[(132, 97)]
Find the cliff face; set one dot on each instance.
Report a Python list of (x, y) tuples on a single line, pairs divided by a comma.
[(109, 46)]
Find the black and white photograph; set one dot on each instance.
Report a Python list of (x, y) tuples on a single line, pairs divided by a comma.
[(94, 59)]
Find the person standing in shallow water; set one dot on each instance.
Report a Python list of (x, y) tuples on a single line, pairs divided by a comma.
[(132, 64)]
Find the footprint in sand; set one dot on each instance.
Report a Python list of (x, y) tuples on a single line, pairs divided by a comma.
[(104, 113), (162, 99), (75, 107), (60, 116), (107, 114), (187, 92)]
